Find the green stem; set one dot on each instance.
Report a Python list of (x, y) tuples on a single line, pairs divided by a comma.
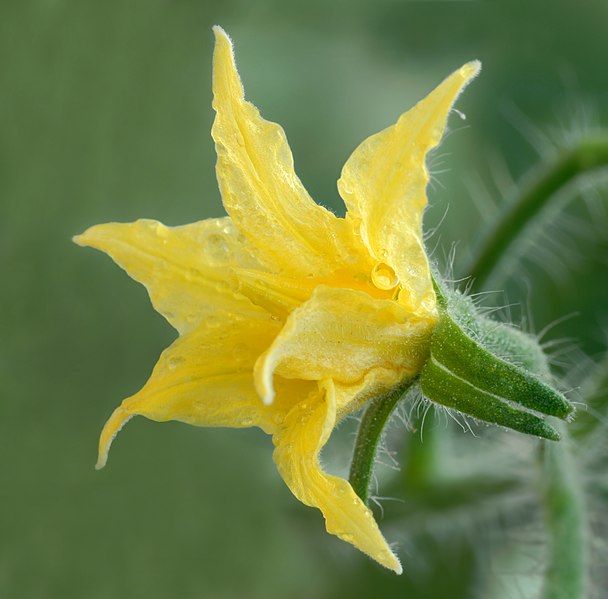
[(564, 505), (370, 432), (590, 422), (421, 460), (588, 155)]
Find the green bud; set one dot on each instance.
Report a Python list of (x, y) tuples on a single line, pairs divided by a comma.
[(490, 371)]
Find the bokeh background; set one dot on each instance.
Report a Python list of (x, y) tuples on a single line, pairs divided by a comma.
[(105, 114)]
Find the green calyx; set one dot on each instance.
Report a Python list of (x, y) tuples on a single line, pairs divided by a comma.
[(465, 373)]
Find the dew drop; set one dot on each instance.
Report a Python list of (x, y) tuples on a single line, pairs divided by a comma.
[(216, 249), (160, 230), (340, 490), (384, 277), (174, 362), (247, 421)]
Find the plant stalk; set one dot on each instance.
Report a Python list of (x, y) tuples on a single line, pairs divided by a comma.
[(370, 432), (586, 156), (564, 506)]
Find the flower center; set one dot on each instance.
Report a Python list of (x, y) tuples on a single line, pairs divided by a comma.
[(384, 277)]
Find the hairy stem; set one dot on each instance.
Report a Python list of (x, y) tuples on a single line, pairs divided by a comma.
[(564, 506), (372, 426), (591, 420), (588, 155), (420, 470)]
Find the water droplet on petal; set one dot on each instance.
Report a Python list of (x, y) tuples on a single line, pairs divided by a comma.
[(160, 230), (175, 361), (216, 250), (384, 277), (340, 489)]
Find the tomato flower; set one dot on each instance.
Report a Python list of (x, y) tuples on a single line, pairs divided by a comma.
[(290, 318)]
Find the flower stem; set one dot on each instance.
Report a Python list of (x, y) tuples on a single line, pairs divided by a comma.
[(590, 424), (586, 156), (420, 471), (372, 425), (564, 506)]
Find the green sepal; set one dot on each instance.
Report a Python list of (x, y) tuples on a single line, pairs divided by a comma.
[(443, 387), (464, 375)]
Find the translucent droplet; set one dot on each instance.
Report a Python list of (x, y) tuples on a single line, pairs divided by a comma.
[(340, 490), (175, 361), (384, 277), (247, 421), (160, 230), (216, 249)]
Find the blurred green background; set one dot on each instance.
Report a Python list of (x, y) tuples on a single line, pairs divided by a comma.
[(105, 113)]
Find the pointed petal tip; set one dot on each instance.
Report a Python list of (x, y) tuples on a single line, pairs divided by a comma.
[(220, 34), (85, 238), (393, 563), (88, 237), (227, 86), (224, 48), (112, 427), (386, 557), (470, 69)]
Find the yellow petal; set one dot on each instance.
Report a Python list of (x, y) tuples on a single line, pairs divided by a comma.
[(205, 379), (383, 185), (352, 397), (342, 334), (298, 442), (281, 295), (259, 187), (277, 294), (185, 269)]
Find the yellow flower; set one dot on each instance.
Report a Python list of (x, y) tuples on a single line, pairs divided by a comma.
[(290, 318)]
